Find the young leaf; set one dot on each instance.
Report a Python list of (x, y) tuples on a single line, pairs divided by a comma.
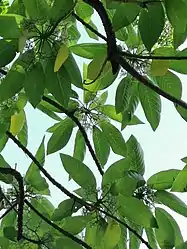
[(114, 138), (180, 183), (135, 155), (34, 84), (123, 94), (110, 111), (172, 201), (164, 233), (163, 179), (61, 57), (78, 171), (112, 234), (151, 104), (128, 207), (79, 147), (151, 23), (102, 148), (60, 137), (17, 123)]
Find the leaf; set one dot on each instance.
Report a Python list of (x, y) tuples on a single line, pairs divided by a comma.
[(163, 179), (5, 178), (13, 23), (89, 50), (134, 241), (164, 233), (179, 65), (151, 105), (151, 23), (60, 9), (79, 147), (10, 233), (23, 134), (112, 234), (37, 9), (102, 148), (150, 233), (12, 83), (110, 111), (128, 207), (90, 33), (64, 209), (135, 155), (21, 43), (67, 243), (17, 123), (84, 11), (60, 137), (7, 52), (172, 201), (115, 172), (114, 138), (58, 83), (78, 171), (33, 176), (180, 182), (124, 15), (95, 66), (61, 57), (170, 83), (123, 94), (176, 12), (34, 84)]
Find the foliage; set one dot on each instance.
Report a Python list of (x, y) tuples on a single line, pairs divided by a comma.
[(38, 46)]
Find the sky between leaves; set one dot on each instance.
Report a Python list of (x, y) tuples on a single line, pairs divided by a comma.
[(163, 148)]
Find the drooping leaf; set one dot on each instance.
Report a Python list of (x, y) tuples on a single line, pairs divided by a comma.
[(84, 11), (101, 145), (151, 104), (37, 9), (180, 182), (163, 179), (164, 233), (61, 136), (17, 123), (78, 171), (114, 138), (10, 233), (60, 9), (5, 178), (151, 238), (112, 234), (134, 242), (61, 57), (127, 207), (110, 111), (7, 52), (79, 147), (151, 23)]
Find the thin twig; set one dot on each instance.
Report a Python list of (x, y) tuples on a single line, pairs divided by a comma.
[(61, 230), (81, 128)]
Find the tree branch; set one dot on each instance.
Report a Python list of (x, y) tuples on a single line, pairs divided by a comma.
[(81, 128), (61, 230)]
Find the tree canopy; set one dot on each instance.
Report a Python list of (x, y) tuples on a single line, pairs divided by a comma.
[(139, 57)]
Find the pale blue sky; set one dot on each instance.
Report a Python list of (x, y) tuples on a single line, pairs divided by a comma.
[(163, 148)]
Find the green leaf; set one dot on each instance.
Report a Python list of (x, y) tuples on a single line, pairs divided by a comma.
[(78, 171), (90, 33), (5, 178), (73, 71), (61, 9), (43, 205), (124, 15), (163, 179), (114, 138), (67, 243), (17, 123), (115, 172), (60, 137), (112, 234), (179, 65), (123, 94), (180, 182), (58, 83), (164, 233), (84, 11), (176, 12), (151, 105), (64, 209), (150, 233), (135, 155), (13, 83), (110, 111), (37, 9), (79, 147), (7, 52), (13, 23), (151, 23), (33, 176), (128, 207), (134, 242), (172, 201), (102, 148), (89, 50), (23, 134), (170, 83), (34, 84), (10, 233)]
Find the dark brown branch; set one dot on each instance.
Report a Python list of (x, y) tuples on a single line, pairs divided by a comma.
[(81, 128), (61, 230), (19, 178)]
